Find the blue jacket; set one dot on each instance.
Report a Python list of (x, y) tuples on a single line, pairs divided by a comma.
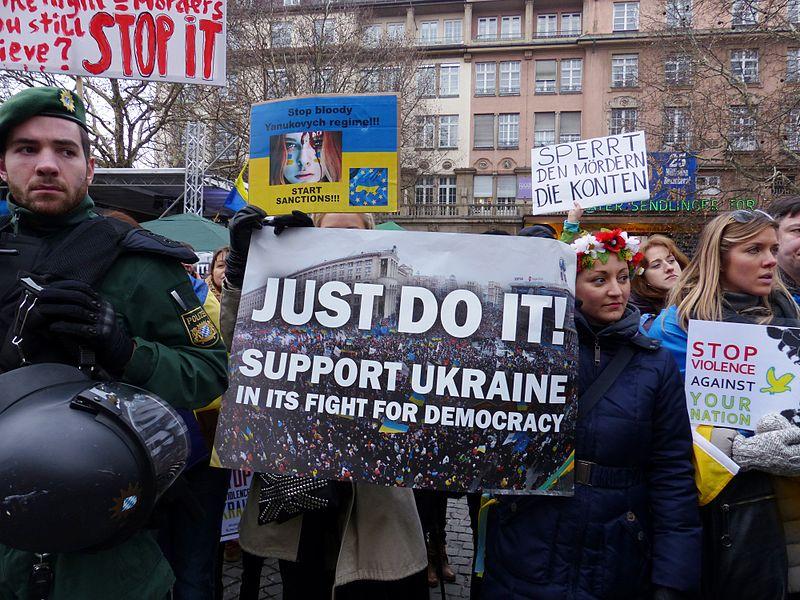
[(609, 542), (665, 328)]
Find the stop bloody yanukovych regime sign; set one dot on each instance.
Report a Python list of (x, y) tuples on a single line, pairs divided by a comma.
[(736, 372), (161, 40), (606, 170)]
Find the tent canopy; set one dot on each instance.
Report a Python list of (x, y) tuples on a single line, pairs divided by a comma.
[(203, 235)]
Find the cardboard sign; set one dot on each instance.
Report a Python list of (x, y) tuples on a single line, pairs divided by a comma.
[(443, 361), (127, 39), (607, 170), (736, 373), (320, 154)]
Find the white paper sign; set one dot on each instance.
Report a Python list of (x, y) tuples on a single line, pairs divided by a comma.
[(736, 373), (235, 503), (596, 172), (181, 41)]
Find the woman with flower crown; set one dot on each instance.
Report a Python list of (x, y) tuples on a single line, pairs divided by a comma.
[(632, 528)]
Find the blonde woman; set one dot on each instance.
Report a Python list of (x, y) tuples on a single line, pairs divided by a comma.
[(734, 278)]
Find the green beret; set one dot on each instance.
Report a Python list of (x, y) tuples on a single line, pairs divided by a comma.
[(40, 101)]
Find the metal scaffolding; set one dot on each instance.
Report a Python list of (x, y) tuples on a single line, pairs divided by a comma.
[(195, 168)]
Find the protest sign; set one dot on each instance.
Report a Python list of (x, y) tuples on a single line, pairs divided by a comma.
[(155, 40), (330, 153), (736, 373), (442, 361), (673, 176), (235, 503), (607, 170)]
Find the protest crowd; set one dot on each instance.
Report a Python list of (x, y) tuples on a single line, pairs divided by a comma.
[(95, 310)]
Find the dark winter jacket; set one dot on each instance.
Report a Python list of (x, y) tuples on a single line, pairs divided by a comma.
[(624, 538)]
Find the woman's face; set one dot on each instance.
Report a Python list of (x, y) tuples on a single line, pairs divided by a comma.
[(342, 221), (604, 290), (662, 268), (302, 157), (218, 269), (749, 266)]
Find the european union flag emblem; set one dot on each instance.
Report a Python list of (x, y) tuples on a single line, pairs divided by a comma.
[(369, 187)]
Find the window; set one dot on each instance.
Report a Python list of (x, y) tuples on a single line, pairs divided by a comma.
[(709, 185), (487, 28), (678, 69), (426, 80), (509, 77), (326, 80), (281, 34), (508, 130), (744, 13), (677, 128), (482, 186), (448, 80), (506, 194), (793, 11), (448, 131), (291, 2), (569, 127), (324, 30), (447, 190), (396, 31), (571, 24), (624, 70), (510, 28), (793, 65), (452, 31), (391, 79), (372, 35), (429, 32), (623, 120), (546, 25), (679, 13), (793, 130), (484, 131), (485, 77), (571, 74), (372, 79), (426, 129), (545, 77), (423, 191), (744, 65), (626, 16), (743, 129), (544, 129)]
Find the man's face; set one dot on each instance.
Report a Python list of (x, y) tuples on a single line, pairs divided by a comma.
[(45, 167), (789, 245)]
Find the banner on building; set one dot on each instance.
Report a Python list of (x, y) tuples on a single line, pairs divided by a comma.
[(736, 373), (673, 176), (234, 504), (443, 361), (606, 170), (332, 153), (128, 39)]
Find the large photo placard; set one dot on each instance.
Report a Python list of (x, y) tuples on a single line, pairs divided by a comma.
[(736, 372), (606, 170), (333, 153), (180, 42), (442, 361)]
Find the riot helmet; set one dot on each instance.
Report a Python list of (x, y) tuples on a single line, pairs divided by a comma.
[(82, 462)]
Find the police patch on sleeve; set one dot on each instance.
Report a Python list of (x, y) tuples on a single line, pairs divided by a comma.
[(202, 332)]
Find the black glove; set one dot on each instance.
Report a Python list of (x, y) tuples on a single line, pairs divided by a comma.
[(241, 228), (296, 219), (72, 308)]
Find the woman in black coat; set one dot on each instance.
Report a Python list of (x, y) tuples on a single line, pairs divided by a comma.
[(632, 528)]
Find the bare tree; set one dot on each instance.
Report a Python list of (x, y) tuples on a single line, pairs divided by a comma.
[(275, 51), (124, 117), (720, 79)]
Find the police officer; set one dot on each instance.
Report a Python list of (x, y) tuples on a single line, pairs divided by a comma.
[(92, 292)]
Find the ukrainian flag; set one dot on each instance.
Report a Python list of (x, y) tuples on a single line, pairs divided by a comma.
[(393, 427), (418, 399), (237, 197)]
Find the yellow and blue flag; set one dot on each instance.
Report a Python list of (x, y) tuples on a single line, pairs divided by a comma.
[(389, 426), (237, 197)]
